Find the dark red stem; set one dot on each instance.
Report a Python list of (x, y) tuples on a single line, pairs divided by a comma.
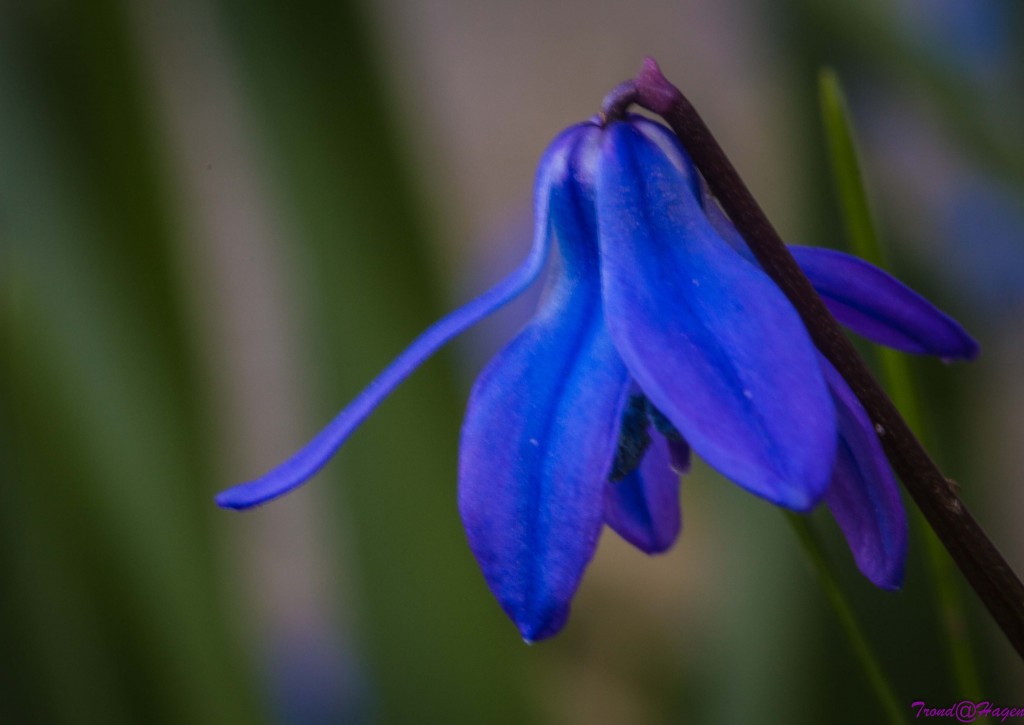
[(977, 557)]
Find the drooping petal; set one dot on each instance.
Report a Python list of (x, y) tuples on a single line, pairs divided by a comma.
[(552, 173), (873, 303), (537, 445), (863, 496), (643, 508), (712, 341), (538, 442)]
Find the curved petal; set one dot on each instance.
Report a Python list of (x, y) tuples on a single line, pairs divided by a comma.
[(863, 495), (552, 173), (538, 441), (714, 344), (873, 303), (643, 508)]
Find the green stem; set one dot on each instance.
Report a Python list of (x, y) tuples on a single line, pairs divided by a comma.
[(858, 642), (896, 373)]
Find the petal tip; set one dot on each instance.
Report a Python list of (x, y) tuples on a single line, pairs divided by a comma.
[(650, 543), (889, 579), (969, 350), (658, 547), (801, 506), (785, 491), (536, 627), (888, 570), (237, 498)]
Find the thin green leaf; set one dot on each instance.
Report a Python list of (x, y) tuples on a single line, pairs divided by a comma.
[(897, 378)]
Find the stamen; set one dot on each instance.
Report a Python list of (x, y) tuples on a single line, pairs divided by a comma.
[(634, 439)]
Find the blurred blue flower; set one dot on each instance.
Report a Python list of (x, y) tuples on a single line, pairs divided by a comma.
[(983, 219), (657, 332), (963, 35)]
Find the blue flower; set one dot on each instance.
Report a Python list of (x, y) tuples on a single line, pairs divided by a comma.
[(657, 333)]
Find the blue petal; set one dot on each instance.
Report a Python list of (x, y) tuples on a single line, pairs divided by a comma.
[(643, 508), (712, 341), (863, 495), (878, 306), (552, 173), (538, 442)]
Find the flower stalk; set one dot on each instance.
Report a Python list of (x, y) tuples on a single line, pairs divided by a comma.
[(985, 569)]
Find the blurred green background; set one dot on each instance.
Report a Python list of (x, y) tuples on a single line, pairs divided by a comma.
[(219, 219)]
